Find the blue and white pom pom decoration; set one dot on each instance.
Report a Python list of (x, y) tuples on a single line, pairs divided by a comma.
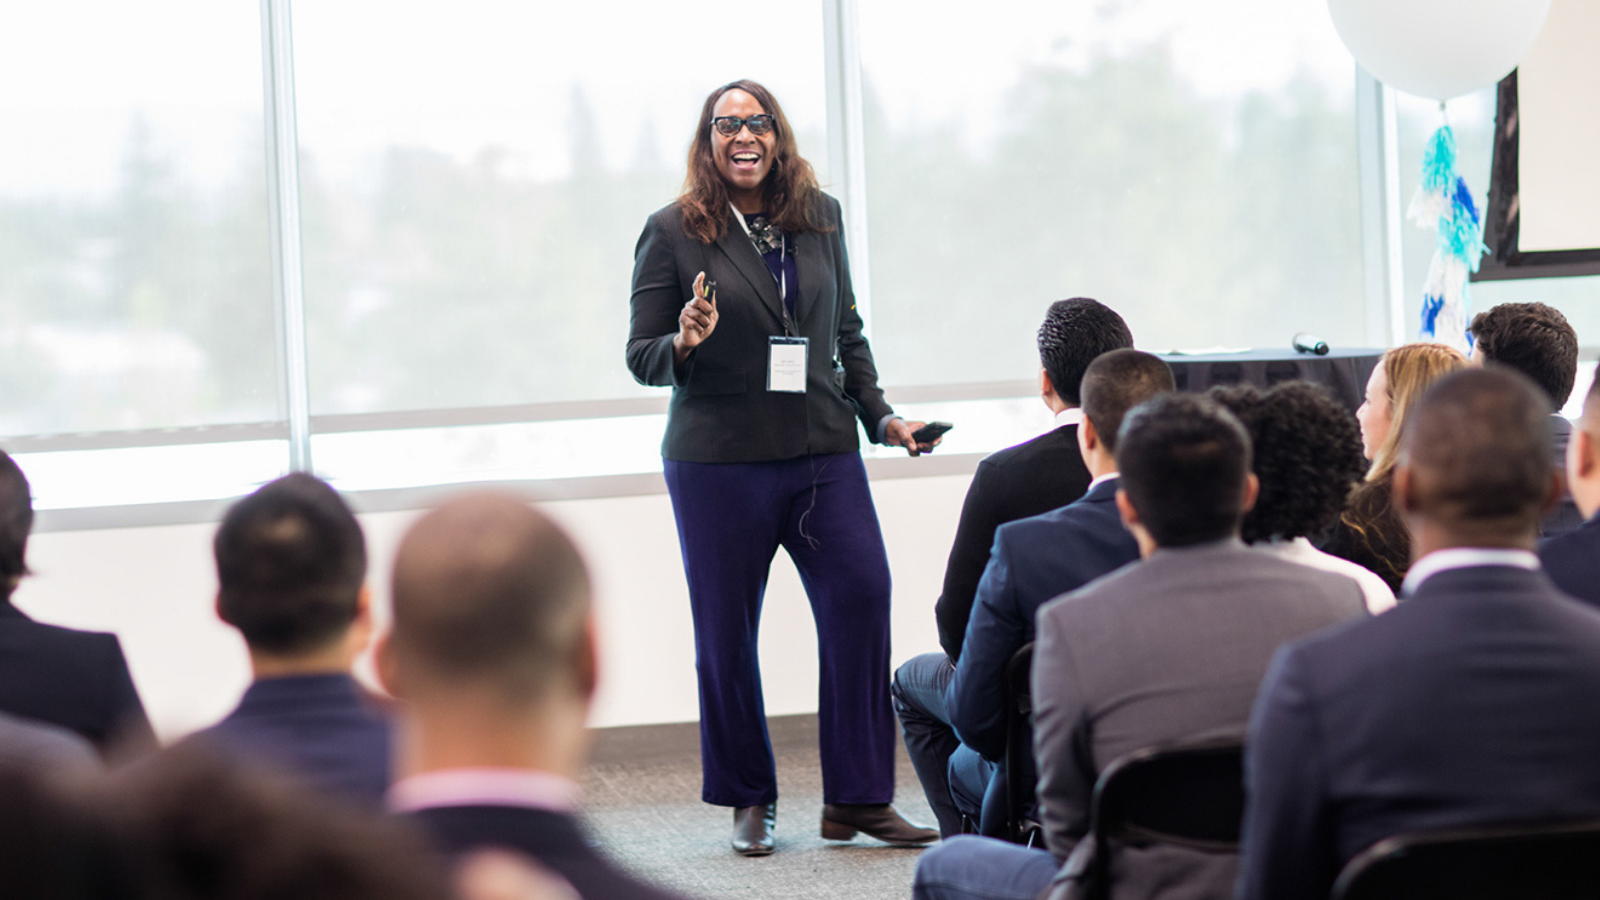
[(1444, 203)]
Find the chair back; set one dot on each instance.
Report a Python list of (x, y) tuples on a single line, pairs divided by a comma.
[(1019, 712), (1528, 862), (1188, 794)]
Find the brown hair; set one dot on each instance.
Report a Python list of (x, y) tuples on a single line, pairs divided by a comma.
[(1410, 370), (790, 189)]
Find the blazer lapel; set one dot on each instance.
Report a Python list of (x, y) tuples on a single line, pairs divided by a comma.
[(807, 260), (736, 246)]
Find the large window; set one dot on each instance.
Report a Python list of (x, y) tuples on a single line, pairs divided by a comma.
[(472, 178), (1193, 165), (134, 268)]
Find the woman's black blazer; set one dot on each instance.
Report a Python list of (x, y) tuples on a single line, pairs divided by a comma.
[(721, 410)]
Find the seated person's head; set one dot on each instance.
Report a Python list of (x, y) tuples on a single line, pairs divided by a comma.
[(1474, 467), (491, 600), (1583, 455), (1185, 464), (1397, 381), (1532, 338), (187, 824), (16, 522), (1113, 384), (1074, 332), (291, 570), (1307, 457)]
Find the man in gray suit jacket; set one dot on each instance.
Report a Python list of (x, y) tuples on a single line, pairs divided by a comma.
[(1169, 648)]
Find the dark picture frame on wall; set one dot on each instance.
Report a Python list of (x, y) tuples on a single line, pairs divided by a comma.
[(1502, 217)]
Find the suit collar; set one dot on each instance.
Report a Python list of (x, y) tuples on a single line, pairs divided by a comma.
[(9, 611), (736, 246), (1462, 558), (1103, 491)]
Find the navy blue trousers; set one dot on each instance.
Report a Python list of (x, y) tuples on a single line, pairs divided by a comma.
[(732, 518)]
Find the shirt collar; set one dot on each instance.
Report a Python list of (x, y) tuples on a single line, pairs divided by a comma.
[(484, 787), (1102, 479), (1072, 415), (1464, 557)]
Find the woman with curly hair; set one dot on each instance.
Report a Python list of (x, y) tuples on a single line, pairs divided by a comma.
[(1371, 532), (1307, 458), (743, 305)]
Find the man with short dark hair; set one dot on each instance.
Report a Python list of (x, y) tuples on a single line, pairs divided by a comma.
[(1537, 341), (291, 575), (1167, 649), (493, 652), (1573, 559), (1035, 476), (78, 680), (956, 739), (1472, 702)]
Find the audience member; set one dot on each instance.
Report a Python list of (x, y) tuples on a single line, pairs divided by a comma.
[(1034, 560), (1307, 453), (1370, 532), (1035, 476), (40, 746), (1168, 649), (76, 679), (1470, 704), (291, 574), (1537, 341), (1573, 559), (189, 825), (493, 653)]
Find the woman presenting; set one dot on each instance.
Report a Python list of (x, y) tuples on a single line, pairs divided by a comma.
[(742, 303)]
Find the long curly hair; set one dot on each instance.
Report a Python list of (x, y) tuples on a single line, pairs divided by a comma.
[(792, 196), (1307, 457)]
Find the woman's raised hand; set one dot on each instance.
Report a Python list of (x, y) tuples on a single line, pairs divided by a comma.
[(697, 320)]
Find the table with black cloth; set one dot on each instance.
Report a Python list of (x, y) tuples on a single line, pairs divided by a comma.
[(1344, 370)]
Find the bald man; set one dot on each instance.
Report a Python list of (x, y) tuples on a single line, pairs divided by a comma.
[(493, 651), (1469, 704)]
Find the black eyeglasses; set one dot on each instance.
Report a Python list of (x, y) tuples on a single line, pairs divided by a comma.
[(730, 125)]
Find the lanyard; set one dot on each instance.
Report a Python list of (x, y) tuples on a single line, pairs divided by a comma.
[(783, 246)]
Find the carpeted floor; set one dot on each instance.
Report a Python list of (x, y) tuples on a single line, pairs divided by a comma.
[(642, 797)]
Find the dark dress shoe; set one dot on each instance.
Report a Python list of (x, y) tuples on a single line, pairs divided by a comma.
[(841, 821), (752, 829)]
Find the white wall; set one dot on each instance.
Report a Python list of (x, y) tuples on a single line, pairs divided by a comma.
[(154, 586)]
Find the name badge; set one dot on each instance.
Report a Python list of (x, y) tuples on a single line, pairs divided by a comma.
[(786, 364)]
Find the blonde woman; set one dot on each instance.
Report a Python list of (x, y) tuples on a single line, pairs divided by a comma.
[(1370, 532)]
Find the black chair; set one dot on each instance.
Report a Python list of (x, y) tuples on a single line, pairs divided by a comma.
[(1188, 794), (1019, 773), (1545, 862)]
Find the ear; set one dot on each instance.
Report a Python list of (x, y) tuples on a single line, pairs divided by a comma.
[(1252, 492), (587, 667), (1047, 388), (1404, 490), (1581, 462), (360, 631), (384, 664), (1130, 516), (1088, 440)]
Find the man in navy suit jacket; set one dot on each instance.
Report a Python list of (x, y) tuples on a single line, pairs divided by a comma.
[(493, 652), (1035, 476), (1472, 703), (1573, 559), (78, 680), (291, 573), (1034, 560)]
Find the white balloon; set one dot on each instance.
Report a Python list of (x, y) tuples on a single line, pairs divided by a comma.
[(1439, 48)]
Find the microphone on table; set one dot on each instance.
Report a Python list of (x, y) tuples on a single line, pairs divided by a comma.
[(1310, 343)]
